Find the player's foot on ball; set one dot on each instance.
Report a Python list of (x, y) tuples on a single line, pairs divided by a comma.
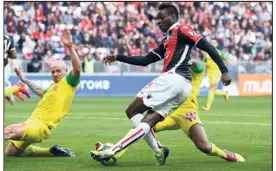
[(162, 157), (10, 99), (226, 97), (233, 157), (59, 151), (101, 156), (205, 108)]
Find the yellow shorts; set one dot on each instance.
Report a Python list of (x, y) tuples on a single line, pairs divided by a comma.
[(35, 132), (214, 77), (181, 118)]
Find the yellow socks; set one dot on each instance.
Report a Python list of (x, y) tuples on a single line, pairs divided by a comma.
[(210, 99), (220, 93), (36, 151), (217, 152), (11, 90)]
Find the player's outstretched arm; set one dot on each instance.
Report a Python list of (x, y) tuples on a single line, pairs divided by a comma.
[(66, 39), (37, 90), (203, 44), (153, 56)]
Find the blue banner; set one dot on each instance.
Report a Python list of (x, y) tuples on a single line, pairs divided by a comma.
[(105, 85)]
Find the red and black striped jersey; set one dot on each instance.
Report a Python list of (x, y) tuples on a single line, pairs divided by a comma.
[(177, 48)]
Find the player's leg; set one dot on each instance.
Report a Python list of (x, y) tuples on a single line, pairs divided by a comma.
[(11, 90), (199, 137), (7, 72), (22, 90), (222, 93), (17, 88), (163, 95), (134, 113), (214, 78), (213, 81), (168, 124), (131, 137), (23, 135)]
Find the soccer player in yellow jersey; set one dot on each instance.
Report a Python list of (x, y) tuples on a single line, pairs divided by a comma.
[(186, 117), (54, 105), (214, 76)]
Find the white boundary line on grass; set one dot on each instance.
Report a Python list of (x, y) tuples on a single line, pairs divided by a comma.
[(205, 121), (219, 115)]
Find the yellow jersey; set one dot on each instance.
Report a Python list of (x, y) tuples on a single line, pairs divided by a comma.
[(197, 72), (211, 65), (56, 101), (192, 102)]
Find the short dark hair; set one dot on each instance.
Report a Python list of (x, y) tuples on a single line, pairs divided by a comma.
[(172, 9)]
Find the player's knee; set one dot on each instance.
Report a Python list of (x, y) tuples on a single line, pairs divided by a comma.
[(8, 132), (213, 86), (204, 146), (129, 112), (14, 132)]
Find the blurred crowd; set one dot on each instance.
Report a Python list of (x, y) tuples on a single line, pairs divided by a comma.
[(242, 29)]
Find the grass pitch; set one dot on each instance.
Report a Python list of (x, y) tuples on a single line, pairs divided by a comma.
[(243, 125)]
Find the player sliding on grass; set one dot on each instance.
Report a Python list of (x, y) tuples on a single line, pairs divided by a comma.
[(186, 117), (52, 108), (165, 93)]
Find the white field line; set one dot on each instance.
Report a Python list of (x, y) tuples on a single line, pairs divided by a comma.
[(113, 118), (7, 113)]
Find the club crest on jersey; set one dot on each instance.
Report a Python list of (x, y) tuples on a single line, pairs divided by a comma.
[(55, 88), (190, 116), (192, 33)]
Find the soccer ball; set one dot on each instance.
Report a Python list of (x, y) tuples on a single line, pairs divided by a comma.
[(106, 146)]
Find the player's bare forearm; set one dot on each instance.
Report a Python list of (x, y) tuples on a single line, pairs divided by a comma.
[(75, 62), (37, 90)]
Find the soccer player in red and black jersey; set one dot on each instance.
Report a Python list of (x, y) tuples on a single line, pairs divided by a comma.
[(166, 92)]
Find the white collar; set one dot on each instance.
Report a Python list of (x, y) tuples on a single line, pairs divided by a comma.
[(172, 26)]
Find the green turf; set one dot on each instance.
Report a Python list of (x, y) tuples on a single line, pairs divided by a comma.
[(88, 122)]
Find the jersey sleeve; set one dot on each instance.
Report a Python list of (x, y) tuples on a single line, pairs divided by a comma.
[(72, 80), (159, 52), (188, 35)]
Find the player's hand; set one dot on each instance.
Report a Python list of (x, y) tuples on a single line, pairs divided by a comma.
[(109, 59), (20, 75), (225, 78), (66, 38)]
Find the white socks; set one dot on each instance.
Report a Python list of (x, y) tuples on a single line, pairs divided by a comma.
[(133, 135), (150, 137)]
